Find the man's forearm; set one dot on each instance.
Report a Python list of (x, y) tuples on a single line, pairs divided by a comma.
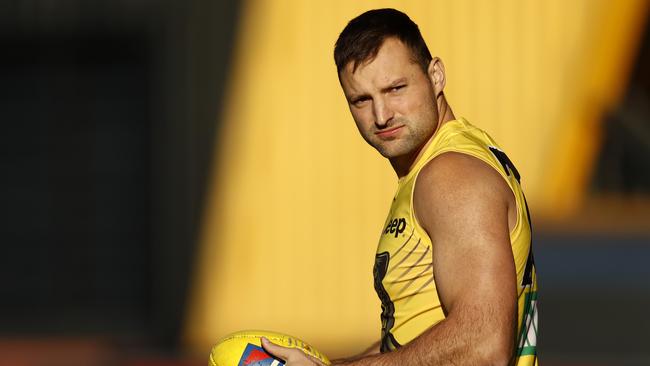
[(447, 343)]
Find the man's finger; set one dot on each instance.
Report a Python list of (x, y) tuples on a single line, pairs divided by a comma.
[(276, 350)]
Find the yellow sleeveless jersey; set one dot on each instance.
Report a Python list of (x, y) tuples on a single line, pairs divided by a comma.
[(403, 270)]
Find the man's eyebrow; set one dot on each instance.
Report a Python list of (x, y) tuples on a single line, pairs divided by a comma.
[(393, 84), (354, 97)]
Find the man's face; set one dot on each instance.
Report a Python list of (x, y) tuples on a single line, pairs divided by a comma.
[(391, 100)]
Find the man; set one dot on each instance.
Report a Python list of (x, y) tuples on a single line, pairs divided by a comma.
[(454, 268)]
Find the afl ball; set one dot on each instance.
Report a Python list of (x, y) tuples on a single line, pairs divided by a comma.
[(245, 349)]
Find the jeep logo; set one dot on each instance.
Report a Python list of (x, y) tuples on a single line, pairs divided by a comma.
[(396, 226)]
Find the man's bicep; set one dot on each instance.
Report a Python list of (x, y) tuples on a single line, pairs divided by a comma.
[(463, 205)]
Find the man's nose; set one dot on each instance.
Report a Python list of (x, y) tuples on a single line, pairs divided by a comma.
[(383, 113)]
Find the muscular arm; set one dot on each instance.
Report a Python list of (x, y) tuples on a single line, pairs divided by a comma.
[(468, 210), (464, 206)]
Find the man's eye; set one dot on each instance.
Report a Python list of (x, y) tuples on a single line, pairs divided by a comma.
[(360, 101), (397, 88)]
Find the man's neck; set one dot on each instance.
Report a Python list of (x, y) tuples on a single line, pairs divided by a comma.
[(403, 164)]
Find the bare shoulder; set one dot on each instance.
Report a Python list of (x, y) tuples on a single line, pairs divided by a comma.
[(457, 186)]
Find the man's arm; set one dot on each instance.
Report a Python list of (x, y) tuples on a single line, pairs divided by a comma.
[(464, 206)]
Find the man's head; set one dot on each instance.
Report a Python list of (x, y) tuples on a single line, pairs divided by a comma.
[(390, 81), (363, 36)]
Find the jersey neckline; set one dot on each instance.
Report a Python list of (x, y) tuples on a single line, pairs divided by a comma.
[(428, 146)]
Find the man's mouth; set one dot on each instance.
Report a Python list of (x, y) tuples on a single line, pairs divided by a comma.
[(389, 132)]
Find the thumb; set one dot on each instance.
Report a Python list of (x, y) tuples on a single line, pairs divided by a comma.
[(276, 350)]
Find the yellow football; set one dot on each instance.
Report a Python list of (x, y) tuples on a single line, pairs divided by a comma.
[(245, 349)]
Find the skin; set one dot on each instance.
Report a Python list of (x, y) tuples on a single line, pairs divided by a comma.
[(464, 205), (395, 105)]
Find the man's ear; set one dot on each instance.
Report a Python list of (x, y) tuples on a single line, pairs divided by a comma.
[(436, 73)]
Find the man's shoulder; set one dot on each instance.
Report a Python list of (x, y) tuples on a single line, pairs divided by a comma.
[(455, 170), (456, 181)]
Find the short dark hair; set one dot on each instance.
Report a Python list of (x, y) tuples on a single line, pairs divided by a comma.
[(361, 39)]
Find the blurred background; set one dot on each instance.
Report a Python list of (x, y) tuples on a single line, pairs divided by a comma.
[(173, 171)]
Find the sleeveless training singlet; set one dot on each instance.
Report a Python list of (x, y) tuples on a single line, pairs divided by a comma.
[(403, 268)]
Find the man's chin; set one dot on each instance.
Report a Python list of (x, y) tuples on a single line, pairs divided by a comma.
[(391, 153), (397, 152), (391, 149)]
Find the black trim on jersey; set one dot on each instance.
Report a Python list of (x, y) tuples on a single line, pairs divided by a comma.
[(505, 162), (508, 166), (527, 279), (387, 307), (389, 343)]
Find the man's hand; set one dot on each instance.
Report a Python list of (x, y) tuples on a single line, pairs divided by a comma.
[(290, 356)]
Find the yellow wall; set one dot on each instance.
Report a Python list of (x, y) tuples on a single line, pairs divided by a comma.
[(298, 199)]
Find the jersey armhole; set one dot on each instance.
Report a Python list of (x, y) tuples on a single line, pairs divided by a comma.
[(519, 210)]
